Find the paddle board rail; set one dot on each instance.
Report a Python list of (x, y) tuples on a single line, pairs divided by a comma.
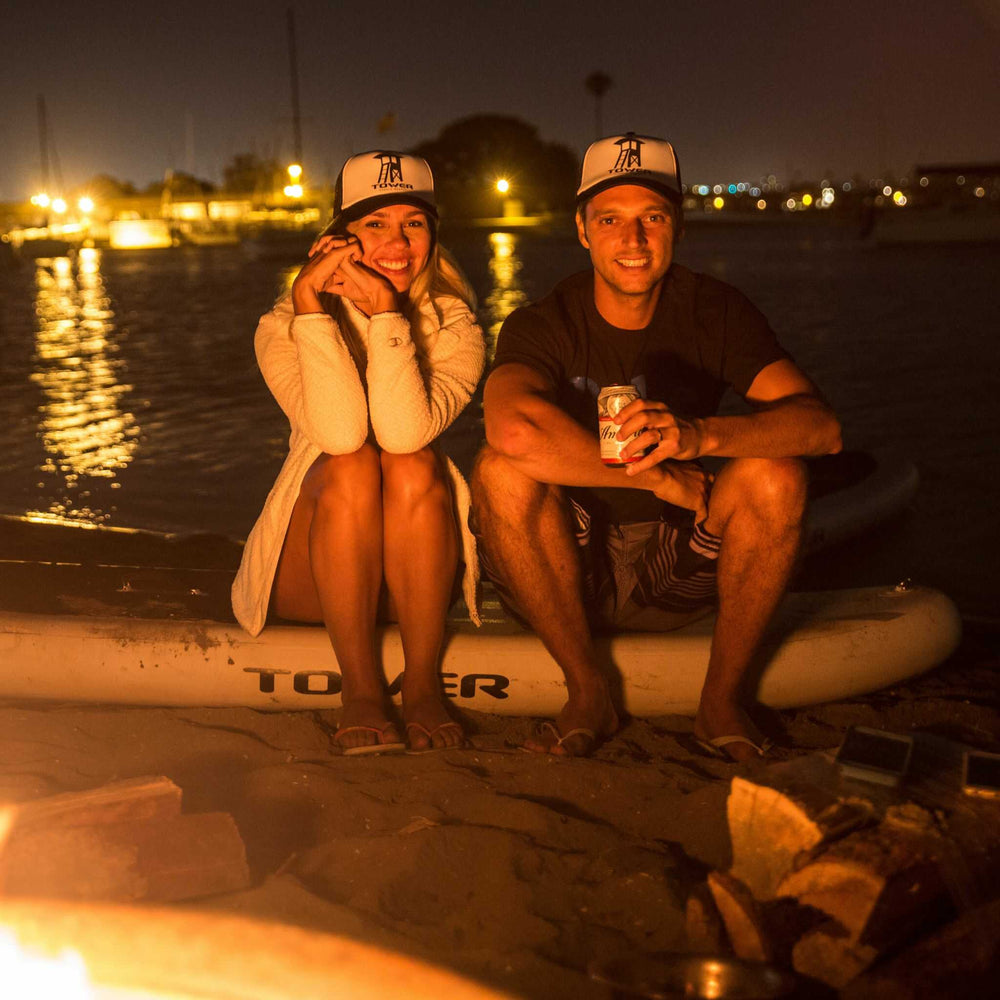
[(823, 646)]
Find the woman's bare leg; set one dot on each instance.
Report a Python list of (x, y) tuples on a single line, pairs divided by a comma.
[(331, 571), (421, 555)]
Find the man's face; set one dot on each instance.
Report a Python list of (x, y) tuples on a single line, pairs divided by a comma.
[(629, 231)]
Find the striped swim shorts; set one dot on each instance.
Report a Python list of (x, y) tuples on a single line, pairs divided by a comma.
[(649, 576)]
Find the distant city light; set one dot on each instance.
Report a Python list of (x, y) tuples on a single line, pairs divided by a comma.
[(807, 199), (718, 201), (924, 181), (960, 180), (887, 190), (828, 197), (703, 190), (294, 171), (761, 204), (503, 185), (980, 192), (899, 198), (790, 205), (741, 186), (731, 189), (846, 186), (42, 200), (717, 189), (59, 205), (755, 192), (293, 190), (85, 204)]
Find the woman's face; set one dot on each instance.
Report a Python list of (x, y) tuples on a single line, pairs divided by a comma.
[(396, 241)]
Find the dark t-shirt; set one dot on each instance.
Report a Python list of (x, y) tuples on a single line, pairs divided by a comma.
[(704, 336)]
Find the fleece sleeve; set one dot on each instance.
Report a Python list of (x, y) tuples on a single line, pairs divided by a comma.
[(309, 369), (413, 394)]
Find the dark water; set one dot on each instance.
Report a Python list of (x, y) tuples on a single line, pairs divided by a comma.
[(129, 394)]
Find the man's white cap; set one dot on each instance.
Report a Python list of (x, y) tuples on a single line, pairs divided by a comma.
[(381, 177), (630, 159)]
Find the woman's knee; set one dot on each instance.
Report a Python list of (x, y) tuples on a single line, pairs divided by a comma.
[(414, 477), (350, 479)]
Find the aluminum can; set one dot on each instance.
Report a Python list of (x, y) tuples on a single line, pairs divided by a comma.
[(611, 400)]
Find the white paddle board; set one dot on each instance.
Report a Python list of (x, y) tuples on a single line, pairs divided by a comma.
[(822, 647)]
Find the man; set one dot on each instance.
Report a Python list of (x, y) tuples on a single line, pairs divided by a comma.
[(574, 545)]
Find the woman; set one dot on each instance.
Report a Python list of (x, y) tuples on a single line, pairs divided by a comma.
[(375, 352)]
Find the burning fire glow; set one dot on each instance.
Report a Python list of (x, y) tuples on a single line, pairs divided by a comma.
[(27, 975)]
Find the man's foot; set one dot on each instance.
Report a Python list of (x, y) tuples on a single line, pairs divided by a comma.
[(726, 731), (365, 728), (574, 733), (730, 748), (429, 726)]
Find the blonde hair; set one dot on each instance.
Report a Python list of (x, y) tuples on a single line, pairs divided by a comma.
[(441, 277)]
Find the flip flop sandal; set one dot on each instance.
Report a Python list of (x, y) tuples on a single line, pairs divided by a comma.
[(380, 746), (588, 734), (716, 748)]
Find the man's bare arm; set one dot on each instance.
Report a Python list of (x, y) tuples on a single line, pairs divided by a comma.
[(544, 443), (789, 419)]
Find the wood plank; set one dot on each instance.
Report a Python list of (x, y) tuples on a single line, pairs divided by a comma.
[(140, 798), (161, 859)]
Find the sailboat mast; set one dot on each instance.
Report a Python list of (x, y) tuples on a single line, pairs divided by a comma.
[(43, 142), (294, 64)]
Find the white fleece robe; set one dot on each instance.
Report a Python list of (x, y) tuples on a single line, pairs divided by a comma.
[(418, 381)]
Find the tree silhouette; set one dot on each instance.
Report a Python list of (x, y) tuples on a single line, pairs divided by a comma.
[(469, 155), (598, 84)]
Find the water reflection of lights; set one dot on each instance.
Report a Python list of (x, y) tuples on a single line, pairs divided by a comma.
[(506, 294), (87, 435)]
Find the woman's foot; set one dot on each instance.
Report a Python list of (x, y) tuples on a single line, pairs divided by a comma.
[(429, 726), (365, 727)]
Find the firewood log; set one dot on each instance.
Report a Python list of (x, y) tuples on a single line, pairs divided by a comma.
[(773, 827)]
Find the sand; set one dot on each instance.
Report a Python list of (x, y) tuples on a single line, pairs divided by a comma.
[(517, 870)]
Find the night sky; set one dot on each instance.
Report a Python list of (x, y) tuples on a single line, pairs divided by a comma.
[(809, 88)]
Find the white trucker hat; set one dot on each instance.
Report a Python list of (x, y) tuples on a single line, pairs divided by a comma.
[(381, 177), (630, 159)]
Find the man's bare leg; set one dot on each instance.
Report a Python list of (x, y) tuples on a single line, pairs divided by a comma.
[(756, 508), (421, 556), (331, 571), (525, 530)]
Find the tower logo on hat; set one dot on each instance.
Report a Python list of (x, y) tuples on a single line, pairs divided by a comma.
[(628, 158), (369, 181), (629, 153), (390, 171)]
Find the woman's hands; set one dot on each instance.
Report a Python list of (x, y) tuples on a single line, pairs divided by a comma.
[(335, 266)]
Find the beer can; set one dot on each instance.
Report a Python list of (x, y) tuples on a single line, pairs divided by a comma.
[(611, 400)]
